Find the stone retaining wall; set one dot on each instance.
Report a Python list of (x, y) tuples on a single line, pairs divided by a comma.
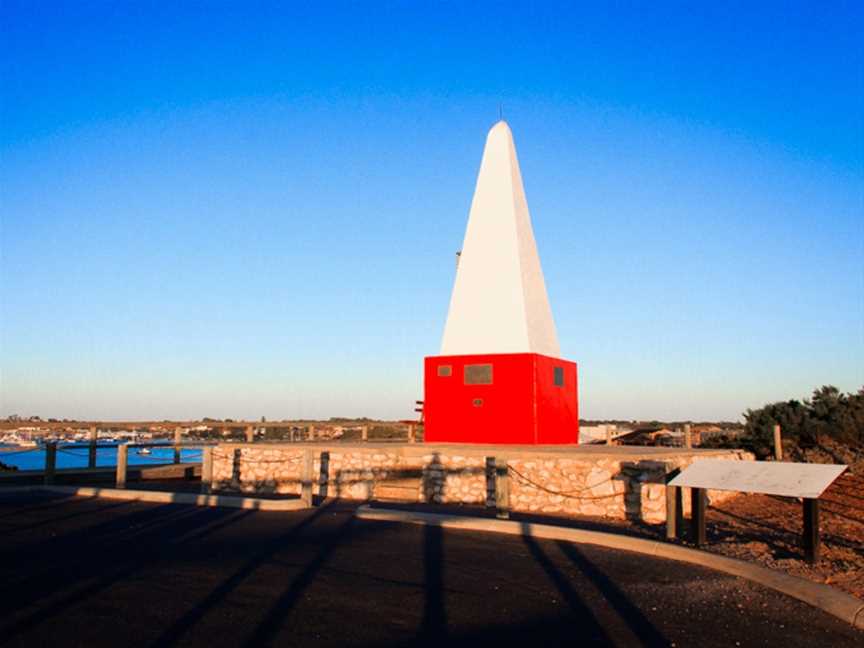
[(617, 485)]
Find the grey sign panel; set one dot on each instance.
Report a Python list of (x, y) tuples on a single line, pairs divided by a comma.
[(770, 478), (479, 374)]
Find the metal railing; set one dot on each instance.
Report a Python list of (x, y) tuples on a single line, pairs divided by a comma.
[(122, 465)]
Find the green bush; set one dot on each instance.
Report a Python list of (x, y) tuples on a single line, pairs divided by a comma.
[(828, 414)]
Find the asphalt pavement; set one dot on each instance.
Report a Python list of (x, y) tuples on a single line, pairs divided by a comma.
[(92, 572)]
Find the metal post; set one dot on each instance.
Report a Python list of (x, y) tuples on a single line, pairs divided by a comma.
[(178, 439), (91, 453), (697, 522), (778, 444), (810, 539), (207, 470), (306, 478), (688, 439), (122, 460), (502, 488), (50, 462)]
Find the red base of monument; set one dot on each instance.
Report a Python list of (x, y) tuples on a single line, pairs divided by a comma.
[(515, 398)]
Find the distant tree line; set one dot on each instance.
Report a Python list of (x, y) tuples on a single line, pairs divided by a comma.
[(827, 417)]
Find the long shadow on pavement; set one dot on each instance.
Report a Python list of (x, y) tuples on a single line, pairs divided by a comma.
[(54, 500), (281, 609), (434, 625), (193, 616), (90, 511), (647, 633), (590, 630), (185, 529), (52, 555)]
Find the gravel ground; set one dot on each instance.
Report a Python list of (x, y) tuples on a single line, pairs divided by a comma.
[(92, 572), (767, 530)]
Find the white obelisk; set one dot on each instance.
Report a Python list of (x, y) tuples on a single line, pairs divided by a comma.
[(499, 302)]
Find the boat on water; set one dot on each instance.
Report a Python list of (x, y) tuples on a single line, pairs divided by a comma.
[(14, 442), (144, 451)]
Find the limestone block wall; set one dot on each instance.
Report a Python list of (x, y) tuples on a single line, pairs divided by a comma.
[(257, 469), (603, 486), (615, 485)]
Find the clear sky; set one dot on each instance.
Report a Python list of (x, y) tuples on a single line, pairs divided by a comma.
[(240, 209)]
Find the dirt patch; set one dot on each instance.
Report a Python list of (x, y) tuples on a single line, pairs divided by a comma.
[(767, 530)]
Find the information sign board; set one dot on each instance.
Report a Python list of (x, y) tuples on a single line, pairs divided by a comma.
[(768, 477)]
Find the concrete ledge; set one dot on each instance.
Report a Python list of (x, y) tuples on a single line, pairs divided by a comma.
[(839, 604), (164, 497), (403, 448)]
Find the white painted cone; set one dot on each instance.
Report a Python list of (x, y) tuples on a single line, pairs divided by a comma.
[(499, 302)]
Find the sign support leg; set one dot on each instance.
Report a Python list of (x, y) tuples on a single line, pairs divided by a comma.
[(811, 530), (697, 506)]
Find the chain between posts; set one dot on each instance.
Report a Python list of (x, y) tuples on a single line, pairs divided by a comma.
[(567, 494)]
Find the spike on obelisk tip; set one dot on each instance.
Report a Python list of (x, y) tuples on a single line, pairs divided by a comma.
[(500, 378)]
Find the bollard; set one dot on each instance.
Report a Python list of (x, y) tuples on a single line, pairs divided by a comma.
[(306, 478), (674, 508), (688, 439), (207, 470), (502, 489), (365, 433), (778, 444), (490, 473), (410, 433), (237, 469), (91, 453), (250, 434), (178, 439), (324, 475), (311, 432), (50, 462), (122, 460), (671, 512), (608, 434)]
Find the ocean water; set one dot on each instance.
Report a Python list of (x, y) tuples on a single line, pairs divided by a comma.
[(75, 456)]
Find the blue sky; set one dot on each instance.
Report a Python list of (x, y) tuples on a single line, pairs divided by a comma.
[(242, 209)]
